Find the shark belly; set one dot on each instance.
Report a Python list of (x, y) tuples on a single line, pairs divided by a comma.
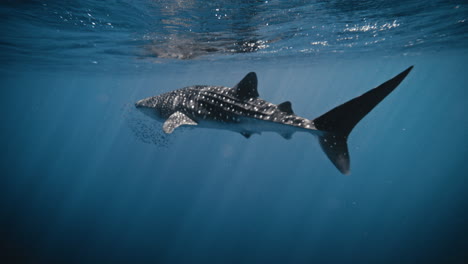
[(254, 126)]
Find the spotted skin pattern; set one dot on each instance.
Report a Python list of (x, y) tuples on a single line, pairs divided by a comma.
[(224, 107), (240, 109), (218, 103)]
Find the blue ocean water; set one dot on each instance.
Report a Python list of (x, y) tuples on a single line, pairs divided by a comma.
[(88, 179)]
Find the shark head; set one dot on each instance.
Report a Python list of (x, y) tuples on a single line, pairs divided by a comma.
[(150, 106)]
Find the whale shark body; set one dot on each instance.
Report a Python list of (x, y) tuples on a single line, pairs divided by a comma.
[(240, 109)]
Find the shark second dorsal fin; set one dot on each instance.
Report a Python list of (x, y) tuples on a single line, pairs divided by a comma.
[(175, 120), (247, 87), (286, 107)]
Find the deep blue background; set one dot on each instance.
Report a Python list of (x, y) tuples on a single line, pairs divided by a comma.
[(79, 184)]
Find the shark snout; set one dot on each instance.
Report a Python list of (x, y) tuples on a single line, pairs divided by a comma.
[(144, 103), (148, 106), (139, 104)]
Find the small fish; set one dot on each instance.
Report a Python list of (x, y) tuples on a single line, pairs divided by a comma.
[(240, 109)]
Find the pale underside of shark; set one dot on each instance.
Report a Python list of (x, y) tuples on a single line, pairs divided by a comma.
[(240, 109)]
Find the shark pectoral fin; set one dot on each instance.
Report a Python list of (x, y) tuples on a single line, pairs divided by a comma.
[(286, 107), (247, 87), (175, 120)]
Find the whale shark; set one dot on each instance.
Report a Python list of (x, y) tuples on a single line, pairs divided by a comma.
[(240, 109)]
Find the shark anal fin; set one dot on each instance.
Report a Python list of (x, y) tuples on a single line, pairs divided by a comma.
[(247, 87), (286, 135), (246, 134), (175, 120), (286, 107)]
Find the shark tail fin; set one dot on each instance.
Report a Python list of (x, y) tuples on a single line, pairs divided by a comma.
[(340, 121)]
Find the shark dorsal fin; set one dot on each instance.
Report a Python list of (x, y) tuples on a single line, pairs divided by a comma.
[(175, 120), (247, 87), (286, 107)]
